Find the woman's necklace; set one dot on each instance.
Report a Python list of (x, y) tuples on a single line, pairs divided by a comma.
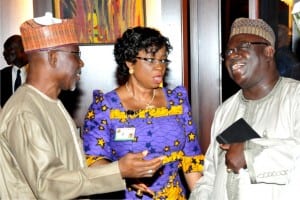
[(148, 104)]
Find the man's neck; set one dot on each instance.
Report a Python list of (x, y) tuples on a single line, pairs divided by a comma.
[(260, 90)]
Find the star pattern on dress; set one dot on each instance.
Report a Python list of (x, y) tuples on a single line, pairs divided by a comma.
[(149, 133), (148, 145), (98, 99), (181, 101), (191, 136), (104, 108), (101, 142), (113, 151), (176, 143), (152, 150), (90, 115), (167, 148)]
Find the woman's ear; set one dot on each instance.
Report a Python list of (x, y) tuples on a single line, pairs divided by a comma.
[(130, 66)]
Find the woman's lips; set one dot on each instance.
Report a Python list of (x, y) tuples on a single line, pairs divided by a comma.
[(157, 79)]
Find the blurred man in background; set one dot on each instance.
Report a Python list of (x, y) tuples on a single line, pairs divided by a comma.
[(12, 76)]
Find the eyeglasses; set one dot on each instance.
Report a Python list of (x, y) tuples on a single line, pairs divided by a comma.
[(76, 53), (154, 60), (243, 47)]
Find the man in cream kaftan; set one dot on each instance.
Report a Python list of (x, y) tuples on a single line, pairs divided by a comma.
[(40, 128)]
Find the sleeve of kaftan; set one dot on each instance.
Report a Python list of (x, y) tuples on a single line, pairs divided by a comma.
[(272, 161), (44, 171), (277, 160), (192, 160), (96, 137)]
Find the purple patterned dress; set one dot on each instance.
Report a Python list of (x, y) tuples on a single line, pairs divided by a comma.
[(162, 131)]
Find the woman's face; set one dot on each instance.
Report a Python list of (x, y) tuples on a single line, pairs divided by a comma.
[(149, 69)]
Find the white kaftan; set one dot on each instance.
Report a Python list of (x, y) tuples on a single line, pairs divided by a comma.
[(273, 161)]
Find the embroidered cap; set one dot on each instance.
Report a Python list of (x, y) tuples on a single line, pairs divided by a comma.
[(47, 32), (253, 26)]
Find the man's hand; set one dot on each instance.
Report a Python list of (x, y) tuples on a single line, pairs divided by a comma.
[(133, 165), (234, 157)]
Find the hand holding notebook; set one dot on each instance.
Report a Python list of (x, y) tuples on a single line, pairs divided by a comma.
[(239, 131)]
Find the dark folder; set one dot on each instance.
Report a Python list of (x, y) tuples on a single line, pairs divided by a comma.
[(239, 131)]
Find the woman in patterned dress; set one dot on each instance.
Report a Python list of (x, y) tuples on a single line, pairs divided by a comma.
[(142, 115)]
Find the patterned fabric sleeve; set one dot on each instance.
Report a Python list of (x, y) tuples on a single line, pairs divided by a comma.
[(192, 161), (96, 131)]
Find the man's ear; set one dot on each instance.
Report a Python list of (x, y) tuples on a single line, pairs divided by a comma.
[(269, 51), (52, 58)]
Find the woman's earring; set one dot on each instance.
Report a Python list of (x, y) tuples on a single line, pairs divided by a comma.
[(131, 71)]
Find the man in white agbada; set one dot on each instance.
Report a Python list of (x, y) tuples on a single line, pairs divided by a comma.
[(265, 168), (41, 154)]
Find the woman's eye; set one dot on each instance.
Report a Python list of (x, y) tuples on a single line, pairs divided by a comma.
[(150, 60)]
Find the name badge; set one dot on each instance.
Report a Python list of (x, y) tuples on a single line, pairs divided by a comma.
[(123, 134)]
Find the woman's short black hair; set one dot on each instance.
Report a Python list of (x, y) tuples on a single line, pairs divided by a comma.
[(132, 41)]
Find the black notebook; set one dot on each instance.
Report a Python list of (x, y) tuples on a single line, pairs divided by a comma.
[(239, 131)]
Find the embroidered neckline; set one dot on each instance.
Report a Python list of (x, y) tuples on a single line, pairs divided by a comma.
[(268, 96)]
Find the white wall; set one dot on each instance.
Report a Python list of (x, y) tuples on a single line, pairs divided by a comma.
[(165, 15), (97, 73), (12, 14)]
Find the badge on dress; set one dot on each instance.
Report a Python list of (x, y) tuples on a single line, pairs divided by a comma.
[(123, 134)]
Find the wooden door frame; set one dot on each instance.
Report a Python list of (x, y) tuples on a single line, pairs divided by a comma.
[(206, 63)]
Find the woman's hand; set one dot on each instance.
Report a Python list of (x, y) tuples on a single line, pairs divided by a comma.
[(141, 188)]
